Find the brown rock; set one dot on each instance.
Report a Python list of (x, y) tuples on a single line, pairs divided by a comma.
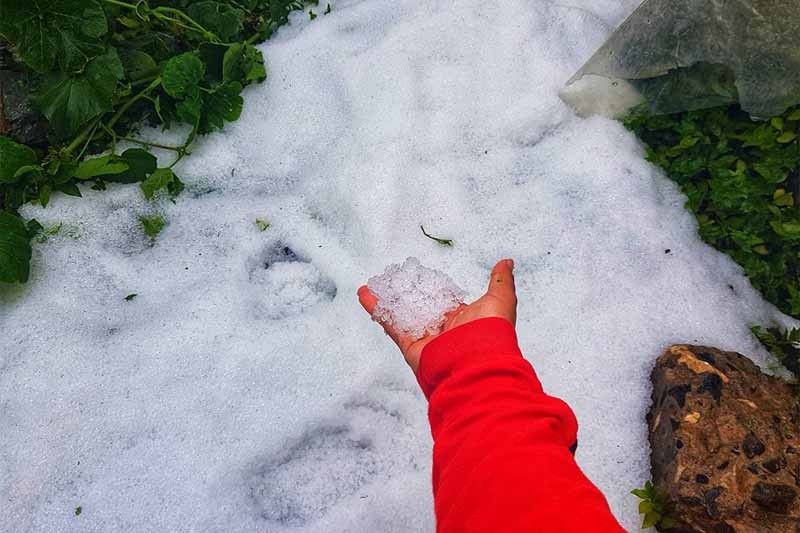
[(725, 443)]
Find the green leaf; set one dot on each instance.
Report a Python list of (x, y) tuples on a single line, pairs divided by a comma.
[(443, 242), (130, 297), (14, 156), (100, 166), (222, 104), (777, 123), (15, 249), (182, 74), (645, 506), (221, 19), (137, 64), (650, 519), (141, 163), (794, 115), (262, 225), (190, 109), (70, 189), (162, 178), (44, 33), (69, 102), (152, 225), (787, 137), (34, 227), (640, 493), (787, 230), (243, 63), (44, 195), (782, 198), (772, 173)]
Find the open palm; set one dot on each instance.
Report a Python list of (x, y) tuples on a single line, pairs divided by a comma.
[(500, 300)]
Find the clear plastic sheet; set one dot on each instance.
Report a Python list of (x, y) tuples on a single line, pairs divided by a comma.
[(678, 55)]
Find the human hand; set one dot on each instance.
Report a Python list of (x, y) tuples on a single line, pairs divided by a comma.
[(500, 300)]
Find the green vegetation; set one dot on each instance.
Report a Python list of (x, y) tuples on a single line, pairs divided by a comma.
[(783, 344), (653, 508), (152, 225), (443, 242), (101, 69), (742, 180)]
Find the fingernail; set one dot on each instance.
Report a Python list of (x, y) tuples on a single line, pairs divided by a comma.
[(510, 263)]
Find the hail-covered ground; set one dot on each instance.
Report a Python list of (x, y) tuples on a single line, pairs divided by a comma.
[(244, 388)]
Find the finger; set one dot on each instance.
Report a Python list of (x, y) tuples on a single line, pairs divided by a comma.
[(501, 281), (367, 299), (368, 302)]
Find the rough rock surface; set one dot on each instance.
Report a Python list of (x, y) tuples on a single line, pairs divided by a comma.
[(725, 442)]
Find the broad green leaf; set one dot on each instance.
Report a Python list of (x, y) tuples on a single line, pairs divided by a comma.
[(787, 137), (794, 115), (243, 63), (99, 166), (69, 102), (222, 104), (141, 163), (65, 32), (640, 493), (189, 109), (137, 64), (70, 189), (28, 172), (219, 18), (777, 123), (158, 180), (14, 156), (15, 249), (645, 506), (181, 75)]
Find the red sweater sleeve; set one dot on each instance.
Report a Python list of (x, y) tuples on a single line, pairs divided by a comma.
[(501, 457)]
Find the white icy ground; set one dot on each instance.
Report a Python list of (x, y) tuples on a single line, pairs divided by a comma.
[(232, 397)]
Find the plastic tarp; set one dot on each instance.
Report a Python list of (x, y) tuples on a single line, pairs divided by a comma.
[(678, 55)]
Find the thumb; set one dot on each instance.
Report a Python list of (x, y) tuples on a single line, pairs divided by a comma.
[(501, 282)]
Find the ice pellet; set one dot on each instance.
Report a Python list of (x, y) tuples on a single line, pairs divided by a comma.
[(414, 298)]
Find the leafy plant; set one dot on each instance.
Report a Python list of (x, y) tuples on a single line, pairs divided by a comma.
[(653, 508), (741, 179), (100, 70), (783, 344), (152, 225)]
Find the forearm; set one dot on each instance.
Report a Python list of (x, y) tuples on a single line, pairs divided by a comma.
[(502, 452)]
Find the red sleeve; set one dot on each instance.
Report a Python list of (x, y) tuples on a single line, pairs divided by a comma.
[(501, 457)]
